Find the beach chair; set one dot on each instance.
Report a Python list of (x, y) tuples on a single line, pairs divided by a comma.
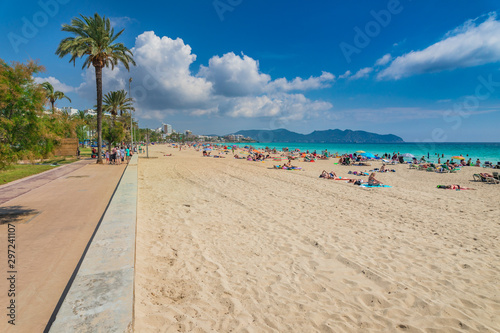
[(489, 180), (496, 175), (443, 169), (487, 165)]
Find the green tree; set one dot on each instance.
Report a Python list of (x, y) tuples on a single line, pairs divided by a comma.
[(81, 125), (113, 134), (94, 38), (117, 101), (53, 96), (22, 130), (91, 121)]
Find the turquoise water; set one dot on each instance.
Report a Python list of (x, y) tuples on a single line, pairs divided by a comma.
[(484, 151)]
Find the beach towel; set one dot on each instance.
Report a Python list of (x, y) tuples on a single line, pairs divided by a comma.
[(367, 185)]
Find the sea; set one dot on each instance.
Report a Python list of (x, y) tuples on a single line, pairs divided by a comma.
[(476, 150)]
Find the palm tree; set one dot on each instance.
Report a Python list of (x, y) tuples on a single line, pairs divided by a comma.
[(52, 95), (94, 39), (81, 125), (115, 101), (80, 115)]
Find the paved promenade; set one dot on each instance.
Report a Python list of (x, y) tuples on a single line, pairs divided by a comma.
[(101, 298), (55, 215)]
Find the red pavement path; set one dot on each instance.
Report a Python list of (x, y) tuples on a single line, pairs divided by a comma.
[(68, 203)]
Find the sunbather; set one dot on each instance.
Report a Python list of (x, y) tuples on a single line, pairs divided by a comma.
[(454, 187), (329, 175), (358, 173), (356, 181), (372, 180)]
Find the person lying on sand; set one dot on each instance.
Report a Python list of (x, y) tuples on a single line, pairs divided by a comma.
[(358, 173), (372, 180), (328, 175), (356, 181), (383, 169), (454, 187)]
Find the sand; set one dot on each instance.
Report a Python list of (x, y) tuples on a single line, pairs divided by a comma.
[(227, 245)]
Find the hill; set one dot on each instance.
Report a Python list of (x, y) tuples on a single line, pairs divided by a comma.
[(328, 136)]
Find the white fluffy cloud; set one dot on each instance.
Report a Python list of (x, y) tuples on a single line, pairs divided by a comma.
[(234, 76), (282, 106), (362, 73), (345, 75), (58, 85), (230, 85), (384, 60), (469, 45), (161, 80), (324, 81)]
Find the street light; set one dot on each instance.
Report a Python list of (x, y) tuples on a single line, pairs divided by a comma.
[(131, 124)]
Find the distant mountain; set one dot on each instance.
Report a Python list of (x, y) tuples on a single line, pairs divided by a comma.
[(328, 136)]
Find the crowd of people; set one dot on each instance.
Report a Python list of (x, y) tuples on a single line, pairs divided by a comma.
[(116, 156)]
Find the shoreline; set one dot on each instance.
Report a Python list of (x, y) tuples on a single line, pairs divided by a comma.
[(343, 148)]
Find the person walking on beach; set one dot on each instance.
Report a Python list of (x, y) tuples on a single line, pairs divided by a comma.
[(122, 153), (113, 156), (118, 155)]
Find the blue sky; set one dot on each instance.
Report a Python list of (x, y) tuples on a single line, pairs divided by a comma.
[(423, 70)]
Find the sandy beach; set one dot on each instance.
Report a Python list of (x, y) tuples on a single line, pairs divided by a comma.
[(226, 245)]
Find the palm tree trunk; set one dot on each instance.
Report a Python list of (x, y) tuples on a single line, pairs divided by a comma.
[(98, 81), (53, 109)]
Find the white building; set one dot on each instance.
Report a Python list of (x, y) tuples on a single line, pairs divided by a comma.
[(69, 110), (90, 112), (167, 129)]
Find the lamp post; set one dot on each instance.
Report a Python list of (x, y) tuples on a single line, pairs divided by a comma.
[(131, 124)]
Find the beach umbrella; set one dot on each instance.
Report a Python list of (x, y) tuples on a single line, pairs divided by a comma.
[(361, 151), (408, 155), (458, 157), (369, 155)]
